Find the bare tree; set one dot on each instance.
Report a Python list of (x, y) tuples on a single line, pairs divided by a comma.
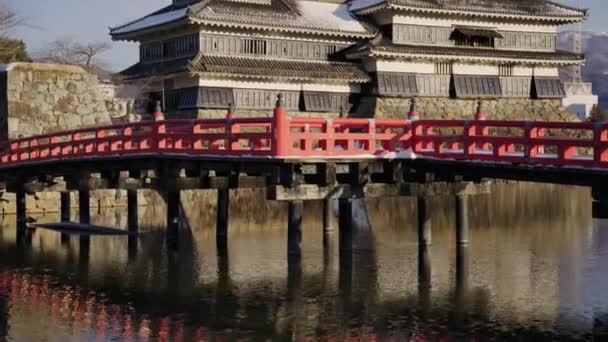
[(67, 51), (8, 19)]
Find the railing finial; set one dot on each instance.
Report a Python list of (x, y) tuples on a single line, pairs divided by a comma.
[(413, 115), (158, 112), (230, 114), (279, 101), (479, 114), (342, 115)]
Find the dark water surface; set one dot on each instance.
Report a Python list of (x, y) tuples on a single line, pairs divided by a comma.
[(536, 269)]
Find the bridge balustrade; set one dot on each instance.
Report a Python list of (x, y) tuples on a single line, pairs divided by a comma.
[(281, 136)]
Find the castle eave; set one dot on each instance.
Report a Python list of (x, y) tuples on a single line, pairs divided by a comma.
[(264, 68)]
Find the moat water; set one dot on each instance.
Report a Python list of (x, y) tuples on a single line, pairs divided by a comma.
[(536, 269)]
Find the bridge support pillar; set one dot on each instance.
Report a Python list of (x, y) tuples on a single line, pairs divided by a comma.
[(65, 207), (21, 209), (424, 222), (327, 213), (424, 277), (346, 225), (173, 216), (462, 219), (294, 229), (132, 211), (223, 213), (84, 205)]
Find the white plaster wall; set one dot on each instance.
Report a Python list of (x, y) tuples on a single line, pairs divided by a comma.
[(223, 83), (546, 71), (398, 66), (475, 69), (449, 22)]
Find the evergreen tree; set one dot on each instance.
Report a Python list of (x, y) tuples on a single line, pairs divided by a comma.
[(12, 50), (596, 114)]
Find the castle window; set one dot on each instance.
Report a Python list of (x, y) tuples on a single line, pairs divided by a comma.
[(150, 51), (474, 37), (505, 70), (253, 47), (443, 68)]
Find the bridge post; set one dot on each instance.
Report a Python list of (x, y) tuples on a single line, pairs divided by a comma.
[(424, 222), (65, 213), (294, 229), (346, 225), (172, 200), (132, 211), (327, 213), (462, 219), (84, 196), (21, 209), (223, 213), (424, 276)]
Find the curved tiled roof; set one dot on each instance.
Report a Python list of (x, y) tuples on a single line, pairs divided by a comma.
[(321, 17), (531, 8), (253, 67), (384, 47), (281, 15)]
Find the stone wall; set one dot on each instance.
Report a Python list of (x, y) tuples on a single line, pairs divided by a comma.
[(448, 108), (42, 98)]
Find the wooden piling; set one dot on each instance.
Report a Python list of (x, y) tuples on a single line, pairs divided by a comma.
[(294, 229), (84, 206), (223, 213), (424, 222), (346, 225), (132, 211), (65, 207), (462, 219), (21, 209), (327, 214), (173, 216)]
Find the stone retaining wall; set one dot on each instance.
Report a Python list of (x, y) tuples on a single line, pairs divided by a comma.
[(447, 108), (42, 98)]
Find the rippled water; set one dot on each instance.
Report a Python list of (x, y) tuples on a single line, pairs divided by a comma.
[(536, 269)]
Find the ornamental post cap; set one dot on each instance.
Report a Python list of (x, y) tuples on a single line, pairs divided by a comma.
[(413, 105), (158, 108), (341, 111), (479, 106), (230, 108), (279, 100)]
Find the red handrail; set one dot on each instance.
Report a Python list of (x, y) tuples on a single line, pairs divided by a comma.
[(281, 136)]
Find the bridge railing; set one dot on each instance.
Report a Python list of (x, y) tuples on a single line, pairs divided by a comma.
[(243, 136), (281, 136), (546, 143)]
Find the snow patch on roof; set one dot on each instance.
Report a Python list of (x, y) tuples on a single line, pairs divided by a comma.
[(331, 14), (360, 4), (151, 21)]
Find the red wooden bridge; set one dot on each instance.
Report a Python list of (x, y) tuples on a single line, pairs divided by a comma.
[(296, 159), (558, 144)]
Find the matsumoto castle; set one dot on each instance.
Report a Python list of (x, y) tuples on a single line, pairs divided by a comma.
[(357, 57)]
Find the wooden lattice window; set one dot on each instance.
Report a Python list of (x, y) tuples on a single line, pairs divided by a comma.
[(443, 68), (505, 70), (254, 47)]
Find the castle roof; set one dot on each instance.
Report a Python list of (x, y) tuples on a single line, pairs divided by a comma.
[(517, 9), (252, 67), (276, 15), (382, 47)]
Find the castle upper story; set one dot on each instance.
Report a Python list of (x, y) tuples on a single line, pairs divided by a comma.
[(449, 48)]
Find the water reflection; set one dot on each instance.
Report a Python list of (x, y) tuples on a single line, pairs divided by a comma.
[(527, 275)]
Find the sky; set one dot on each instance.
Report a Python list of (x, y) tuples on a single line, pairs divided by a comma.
[(88, 21)]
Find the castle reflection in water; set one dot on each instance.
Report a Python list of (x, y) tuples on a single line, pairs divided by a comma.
[(532, 271)]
